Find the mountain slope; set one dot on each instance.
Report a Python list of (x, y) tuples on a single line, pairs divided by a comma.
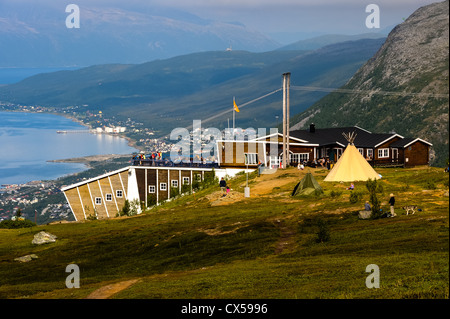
[(329, 66), (413, 63), (323, 40), (103, 86), (165, 94)]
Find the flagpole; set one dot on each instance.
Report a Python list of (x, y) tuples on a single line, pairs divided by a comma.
[(234, 111)]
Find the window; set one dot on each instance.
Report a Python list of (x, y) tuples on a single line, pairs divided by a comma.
[(370, 153), (383, 153), (174, 183), (198, 177), (152, 189), (361, 151), (119, 193), (251, 158), (185, 180), (162, 186), (108, 197), (299, 157), (274, 161), (98, 200)]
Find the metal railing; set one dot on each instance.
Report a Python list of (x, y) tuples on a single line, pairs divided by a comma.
[(168, 163)]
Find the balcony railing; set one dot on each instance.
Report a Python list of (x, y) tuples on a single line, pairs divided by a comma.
[(168, 163)]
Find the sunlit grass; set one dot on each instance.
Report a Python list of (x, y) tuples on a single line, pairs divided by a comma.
[(189, 249)]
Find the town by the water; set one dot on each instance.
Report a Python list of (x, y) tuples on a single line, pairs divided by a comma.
[(42, 200)]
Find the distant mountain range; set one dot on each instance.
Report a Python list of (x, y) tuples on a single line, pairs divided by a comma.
[(404, 86), (169, 93), (323, 40), (35, 35)]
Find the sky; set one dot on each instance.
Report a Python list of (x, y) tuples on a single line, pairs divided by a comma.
[(276, 18), (303, 16)]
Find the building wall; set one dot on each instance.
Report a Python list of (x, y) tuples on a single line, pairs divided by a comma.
[(386, 160), (149, 181), (231, 154), (82, 198), (302, 149), (417, 154)]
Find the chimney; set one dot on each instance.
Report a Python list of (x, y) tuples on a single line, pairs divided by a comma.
[(312, 128)]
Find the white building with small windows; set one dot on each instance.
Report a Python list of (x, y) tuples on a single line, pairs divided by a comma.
[(104, 196)]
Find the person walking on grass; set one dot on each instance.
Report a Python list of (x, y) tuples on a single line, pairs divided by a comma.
[(391, 204), (223, 186)]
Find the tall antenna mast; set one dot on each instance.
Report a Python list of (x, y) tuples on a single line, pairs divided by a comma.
[(286, 84)]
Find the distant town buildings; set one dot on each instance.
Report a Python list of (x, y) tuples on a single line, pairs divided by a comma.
[(24, 196), (107, 129)]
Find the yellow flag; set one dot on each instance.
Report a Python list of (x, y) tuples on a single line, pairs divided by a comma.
[(235, 106)]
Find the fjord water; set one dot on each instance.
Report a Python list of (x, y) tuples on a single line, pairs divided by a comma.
[(29, 140)]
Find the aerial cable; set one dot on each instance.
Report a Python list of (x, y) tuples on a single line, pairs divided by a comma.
[(230, 110), (240, 106), (328, 90), (368, 92)]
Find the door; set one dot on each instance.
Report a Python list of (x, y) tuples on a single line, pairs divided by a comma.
[(395, 155), (338, 153)]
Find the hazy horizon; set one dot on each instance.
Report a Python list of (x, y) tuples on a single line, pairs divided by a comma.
[(285, 21)]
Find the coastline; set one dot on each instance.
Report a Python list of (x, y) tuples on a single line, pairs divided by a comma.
[(87, 160), (130, 142)]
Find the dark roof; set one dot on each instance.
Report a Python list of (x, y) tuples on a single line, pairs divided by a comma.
[(407, 141), (403, 142), (333, 136)]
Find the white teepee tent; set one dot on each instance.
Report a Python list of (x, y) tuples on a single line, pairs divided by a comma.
[(351, 166)]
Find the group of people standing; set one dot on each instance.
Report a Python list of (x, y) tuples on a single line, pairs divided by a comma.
[(153, 156)]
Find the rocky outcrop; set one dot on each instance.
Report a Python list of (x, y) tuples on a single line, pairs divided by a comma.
[(43, 238), (402, 88)]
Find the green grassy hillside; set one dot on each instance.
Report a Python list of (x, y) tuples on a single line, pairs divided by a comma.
[(205, 246)]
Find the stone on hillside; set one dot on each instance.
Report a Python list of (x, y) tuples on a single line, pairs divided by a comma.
[(26, 258), (365, 214), (43, 238)]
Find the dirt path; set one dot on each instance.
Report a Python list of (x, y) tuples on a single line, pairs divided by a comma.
[(287, 238), (109, 290), (264, 186)]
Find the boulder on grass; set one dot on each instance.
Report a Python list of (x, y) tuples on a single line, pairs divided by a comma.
[(365, 214), (26, 258), (43, 238)]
